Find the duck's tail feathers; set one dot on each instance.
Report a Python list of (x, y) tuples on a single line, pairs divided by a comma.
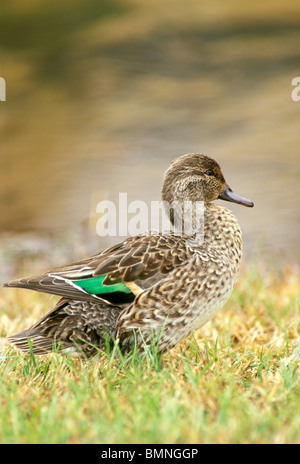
[(72, 327), (32, 340)]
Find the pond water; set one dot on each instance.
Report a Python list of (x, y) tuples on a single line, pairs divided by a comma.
[(104, 105)]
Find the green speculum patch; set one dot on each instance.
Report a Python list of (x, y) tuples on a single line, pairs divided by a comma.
[(95, 285)]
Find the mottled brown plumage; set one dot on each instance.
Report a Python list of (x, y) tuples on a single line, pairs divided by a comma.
[(158, 286)]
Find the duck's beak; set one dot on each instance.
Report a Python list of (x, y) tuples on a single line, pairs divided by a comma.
[(230, 195)]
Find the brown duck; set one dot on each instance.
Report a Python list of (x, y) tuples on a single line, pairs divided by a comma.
[(154, 286)]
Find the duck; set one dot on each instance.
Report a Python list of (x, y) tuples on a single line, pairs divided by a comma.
[(155, 287)]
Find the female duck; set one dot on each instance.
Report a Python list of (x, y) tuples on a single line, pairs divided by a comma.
[(153, 285)]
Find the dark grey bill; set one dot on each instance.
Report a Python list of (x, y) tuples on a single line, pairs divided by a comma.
[(230, 195)]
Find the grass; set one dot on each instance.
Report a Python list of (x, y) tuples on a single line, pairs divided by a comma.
[(236, 380)]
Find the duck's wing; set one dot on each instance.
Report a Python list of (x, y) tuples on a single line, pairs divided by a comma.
[(118, 274)]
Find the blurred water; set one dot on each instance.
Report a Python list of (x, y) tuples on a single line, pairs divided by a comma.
[(122, 91)]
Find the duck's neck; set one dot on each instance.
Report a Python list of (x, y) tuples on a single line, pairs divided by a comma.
[(210, 225), (187, 217), (222, 231)]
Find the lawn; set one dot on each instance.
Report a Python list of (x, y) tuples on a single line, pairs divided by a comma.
[(236, 380)]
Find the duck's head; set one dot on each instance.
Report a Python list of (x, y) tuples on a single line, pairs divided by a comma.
[(196, 177)]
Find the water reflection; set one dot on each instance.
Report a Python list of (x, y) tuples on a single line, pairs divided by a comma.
[(101, 101)]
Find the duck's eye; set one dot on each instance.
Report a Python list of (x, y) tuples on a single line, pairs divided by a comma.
[(209, 172)]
